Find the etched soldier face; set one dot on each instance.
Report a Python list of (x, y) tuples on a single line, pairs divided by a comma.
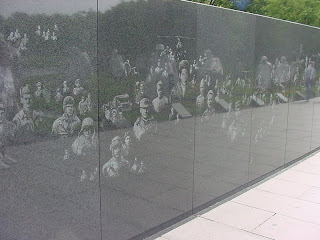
[(1, 115), (184, 75), (202, 90), (210, 101), (145, 113), (87, 133), (69, 110), (128, 140), (159, 91), (26, 101), (117, 151)]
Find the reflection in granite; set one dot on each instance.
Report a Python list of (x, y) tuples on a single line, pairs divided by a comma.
[(114, 123)]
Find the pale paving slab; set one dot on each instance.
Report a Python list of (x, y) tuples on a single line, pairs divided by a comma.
[(285, 228), (282, 187), (203, 229), (233, 214), (312, 195), (308, 166), (300, 177), (287, 206)]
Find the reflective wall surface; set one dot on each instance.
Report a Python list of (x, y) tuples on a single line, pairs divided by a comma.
[(118, 118)]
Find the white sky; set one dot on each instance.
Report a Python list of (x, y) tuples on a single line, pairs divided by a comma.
[(7, 7)]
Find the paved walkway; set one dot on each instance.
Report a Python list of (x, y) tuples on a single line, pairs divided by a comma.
[(284, 207)]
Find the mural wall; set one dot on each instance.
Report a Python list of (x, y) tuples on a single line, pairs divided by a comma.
[(118, 118)]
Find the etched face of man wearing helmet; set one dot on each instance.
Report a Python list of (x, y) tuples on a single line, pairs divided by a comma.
[(116, 151), (87, 132), (210, 101), (145, 112), (69, 109), (127, 140), (159, 90), (26, 102), (184, 75), (77, 83), (202, 90)]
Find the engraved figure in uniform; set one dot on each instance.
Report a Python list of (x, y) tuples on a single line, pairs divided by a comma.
[(7, 132), (117, 165), (68, 122), (160, 102), (145, 123), (83, 109), (58, 96), (39, 91), (87, 142), (42, 92), (201, 99), (24, 119), (137, 167), (56, 28), (140, 93), (78, 89), (38, 31), (23, 43), (54, 37), (17, 35), (210, 111), (181, 87), (11, 37), (89, 102), (65, 88)]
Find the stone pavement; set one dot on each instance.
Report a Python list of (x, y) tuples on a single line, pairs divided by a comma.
[(284, 207)]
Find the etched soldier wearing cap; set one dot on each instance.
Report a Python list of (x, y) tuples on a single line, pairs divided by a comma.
[(58, 97), (145, 123), (85, 148), (87, 140), (7, 132), (39, 91), (181, 87), (201, 99), (82, 107), (183, 91), (78, 90), (129, 153), (117, 165), (65, 89), (24, 119), (68, 122), (140, 92), (210, 111), (161, 101)]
